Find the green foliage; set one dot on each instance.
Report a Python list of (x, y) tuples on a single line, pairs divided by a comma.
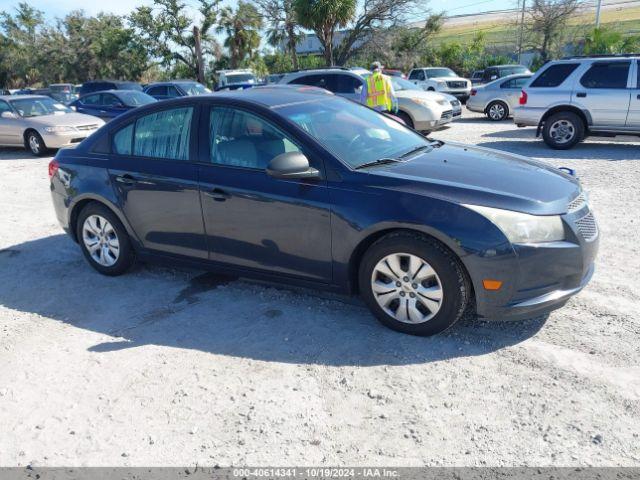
[(242, 27), (603, 41), (325, 17)]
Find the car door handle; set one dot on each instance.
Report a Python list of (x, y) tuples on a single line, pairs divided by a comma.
[(126, 179), (581, 94), (218, 194)]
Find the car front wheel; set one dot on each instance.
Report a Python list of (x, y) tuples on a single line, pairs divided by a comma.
[(563, 130), (104, 240), (35, 144), (413, 284)]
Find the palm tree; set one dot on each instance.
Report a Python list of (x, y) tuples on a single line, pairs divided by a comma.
[(242, 28), (324, 17)]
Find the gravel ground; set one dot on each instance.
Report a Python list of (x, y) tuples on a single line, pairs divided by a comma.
[(176, 367)]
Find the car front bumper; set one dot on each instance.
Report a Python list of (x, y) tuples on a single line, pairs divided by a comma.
[(64, 139), (537, 278)]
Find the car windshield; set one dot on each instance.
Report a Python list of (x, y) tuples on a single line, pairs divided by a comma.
[(355, 134), (134, 99), (37, 107), (195, 88), (241, 78), (440, 72), (400, 84)]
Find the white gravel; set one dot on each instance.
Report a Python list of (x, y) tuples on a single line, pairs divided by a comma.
[(168, 367)]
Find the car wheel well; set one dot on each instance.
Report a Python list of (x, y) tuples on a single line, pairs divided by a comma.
[(565, 108), (361, 248), (75, 213), (406, 117), (26, 134)]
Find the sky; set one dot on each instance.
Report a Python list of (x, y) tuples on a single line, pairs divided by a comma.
[(59, 8)]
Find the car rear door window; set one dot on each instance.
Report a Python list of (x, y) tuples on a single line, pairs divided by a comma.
[(515, 83), (606, 75), (316, 80), (163, 134), (172, 92), (159, 91), (109, 100), (554, 75), (121, 143), (416, 75), (241, 139)]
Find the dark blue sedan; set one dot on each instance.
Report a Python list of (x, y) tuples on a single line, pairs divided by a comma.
[(109, 104), (296, 186)]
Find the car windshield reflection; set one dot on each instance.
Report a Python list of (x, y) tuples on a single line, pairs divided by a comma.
[(37, 107)]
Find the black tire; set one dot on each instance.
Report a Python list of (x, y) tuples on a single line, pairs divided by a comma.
[(405, 118), (569, 120), (431, 89), (455, 284), (497, 111), (126, 255), (34, 143)]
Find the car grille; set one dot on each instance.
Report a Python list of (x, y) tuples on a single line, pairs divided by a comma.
[(458, 84), (587, 227), (446, 114), (577, 203), (84, 128)]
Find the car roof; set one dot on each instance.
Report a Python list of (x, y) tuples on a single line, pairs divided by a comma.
[(273, 96), (170, 82), (23, 97)]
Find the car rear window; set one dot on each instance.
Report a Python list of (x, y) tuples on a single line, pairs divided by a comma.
[(606, 75), (554, 75)]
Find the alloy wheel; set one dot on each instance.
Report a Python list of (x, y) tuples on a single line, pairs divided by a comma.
[(34, 143), (407, 288), (101, 241), (497, 111), (562, 131)]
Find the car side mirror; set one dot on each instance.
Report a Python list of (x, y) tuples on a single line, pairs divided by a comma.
[(291, 165), (8, 115)]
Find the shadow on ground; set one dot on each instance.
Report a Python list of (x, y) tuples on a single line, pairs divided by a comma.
[(222, 315)]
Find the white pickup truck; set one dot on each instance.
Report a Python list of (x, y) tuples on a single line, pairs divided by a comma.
[(441, 79)]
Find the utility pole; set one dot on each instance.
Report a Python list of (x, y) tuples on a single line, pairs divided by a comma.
[(521, 35), (198, 46), (598, 5)]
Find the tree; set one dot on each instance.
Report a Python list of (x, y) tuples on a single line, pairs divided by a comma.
[(547, 23), (603, 41), (283, 27), (168, 32), (377, 15), (242, 27), (325, 17)]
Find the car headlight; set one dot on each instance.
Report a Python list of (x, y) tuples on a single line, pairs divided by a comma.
[(425, 102), (442, 84), (522, 227), (59, 129)]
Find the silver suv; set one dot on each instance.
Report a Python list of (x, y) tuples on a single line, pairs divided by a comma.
[(575, 97)]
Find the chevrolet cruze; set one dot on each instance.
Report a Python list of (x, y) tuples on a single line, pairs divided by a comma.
[(292, 185)]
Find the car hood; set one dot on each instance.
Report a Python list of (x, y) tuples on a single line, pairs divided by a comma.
[(448, 79), (73, 119), (434, 97), (482, 176)]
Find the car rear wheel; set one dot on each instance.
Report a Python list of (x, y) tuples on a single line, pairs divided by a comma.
[(413, 284), (497, 111), (104, 240), (35, 144), (563, 130)]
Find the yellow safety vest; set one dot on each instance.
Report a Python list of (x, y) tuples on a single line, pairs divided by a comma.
[(378, 92)]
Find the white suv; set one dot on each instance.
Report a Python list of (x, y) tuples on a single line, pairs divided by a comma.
[(440, 79), (575, 97)]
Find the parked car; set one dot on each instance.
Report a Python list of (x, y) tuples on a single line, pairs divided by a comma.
[(101, 85), (111, 103), (393, 73), (301, 187), (38, 122), (497, 99), (476, 77), (495, 72), (418, 109), (235, 77), (62, 92), (573, 98), (442, 80), (175, 89)]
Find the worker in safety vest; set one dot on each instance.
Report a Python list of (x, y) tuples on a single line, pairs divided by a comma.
[(377, 92)]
